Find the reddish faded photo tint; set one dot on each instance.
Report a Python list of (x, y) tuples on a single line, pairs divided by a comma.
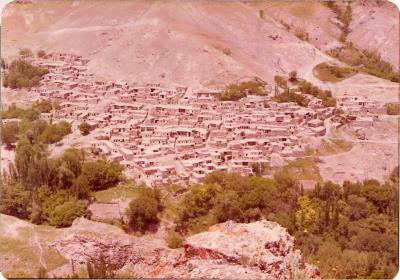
[(199, 139)]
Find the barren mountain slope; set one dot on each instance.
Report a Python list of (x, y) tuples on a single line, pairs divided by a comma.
[(312, 20), (218, 42), (375, 26)]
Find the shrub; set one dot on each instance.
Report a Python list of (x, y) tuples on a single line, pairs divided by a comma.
[(41, 53), (227, 51), (393, 109), (174, 240), (63, 215), (85, 128)]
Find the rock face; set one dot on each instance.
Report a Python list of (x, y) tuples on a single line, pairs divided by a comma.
[(259, 250)]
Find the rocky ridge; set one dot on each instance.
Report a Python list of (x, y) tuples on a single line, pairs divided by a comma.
[(261, 250)]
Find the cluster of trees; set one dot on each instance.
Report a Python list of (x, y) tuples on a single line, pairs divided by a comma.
[(31, 113), (366, 61), (393, 109), (305, 88), (291, 96), (349, 231), (30, 126), (325, 95), (234, 92), (32, 132), (22, 74), (51, 190), (230, 196)]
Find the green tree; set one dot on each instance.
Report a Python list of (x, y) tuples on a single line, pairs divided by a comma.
[(143, 211), (102, 174), (307, 213), (81, 187)]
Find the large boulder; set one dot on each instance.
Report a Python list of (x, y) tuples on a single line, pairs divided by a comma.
[(261, 250)]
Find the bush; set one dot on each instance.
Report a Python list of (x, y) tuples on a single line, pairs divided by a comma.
[(41, 53), (85, 128), (143, 211), (393, 109), (174, 240), (64, 214), (227, 51), (22, 74)]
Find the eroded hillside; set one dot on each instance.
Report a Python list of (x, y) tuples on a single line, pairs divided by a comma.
[(217, 42)]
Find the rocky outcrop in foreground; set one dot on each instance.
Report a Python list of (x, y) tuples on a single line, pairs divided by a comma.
[(259, 250)]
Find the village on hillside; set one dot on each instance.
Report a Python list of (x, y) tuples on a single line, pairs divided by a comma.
[(181, 134)]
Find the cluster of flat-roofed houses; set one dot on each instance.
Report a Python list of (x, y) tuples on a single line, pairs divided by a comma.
[(159, 133)]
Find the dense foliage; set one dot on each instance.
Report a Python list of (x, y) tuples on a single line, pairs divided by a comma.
[(143, 211), (290, 96), (22, 74), (349, 231), (51, 190), (31, 113), (234, 92), (304, 88)]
